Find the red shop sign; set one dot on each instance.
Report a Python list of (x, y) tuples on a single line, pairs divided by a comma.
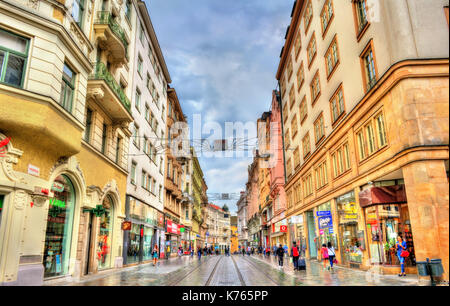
[(283, 228)]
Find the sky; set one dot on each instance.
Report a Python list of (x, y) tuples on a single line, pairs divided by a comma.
[(222, 57)]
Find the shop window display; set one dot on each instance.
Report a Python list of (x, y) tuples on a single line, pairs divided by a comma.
[(147, 243), (134, 244), (325, 224), (104, 235), (352, 240), (384, 224), (59, 228)]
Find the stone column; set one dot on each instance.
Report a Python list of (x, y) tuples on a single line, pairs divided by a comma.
[(428, 201)]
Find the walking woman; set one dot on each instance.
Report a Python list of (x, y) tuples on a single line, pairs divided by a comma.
[(331, 254), (324, 252), (280, 254), (155, 254), (402, 253)]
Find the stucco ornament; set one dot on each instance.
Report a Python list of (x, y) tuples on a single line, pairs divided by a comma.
[(10, 157), (20, 199), (34, 4)]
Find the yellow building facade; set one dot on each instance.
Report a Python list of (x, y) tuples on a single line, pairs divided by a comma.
[(64, 125)]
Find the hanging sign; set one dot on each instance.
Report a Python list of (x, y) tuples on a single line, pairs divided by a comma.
[(126, 225), (57, 186), (325, 222), (323, 213), (283, 228)]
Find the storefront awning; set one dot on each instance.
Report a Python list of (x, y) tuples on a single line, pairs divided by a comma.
[(382, 195)]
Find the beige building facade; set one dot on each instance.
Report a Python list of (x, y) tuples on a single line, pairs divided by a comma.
[(365, 122), (62, 111)]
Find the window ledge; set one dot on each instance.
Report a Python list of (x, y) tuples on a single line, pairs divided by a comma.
[(362, 31)]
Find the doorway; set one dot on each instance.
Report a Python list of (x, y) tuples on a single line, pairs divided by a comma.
[(89, 243), (311, 234)]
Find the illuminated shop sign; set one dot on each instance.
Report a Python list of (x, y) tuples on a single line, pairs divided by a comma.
[(57, 203)]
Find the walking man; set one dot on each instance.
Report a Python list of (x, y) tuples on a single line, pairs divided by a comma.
[(280, 254), (295, 255)]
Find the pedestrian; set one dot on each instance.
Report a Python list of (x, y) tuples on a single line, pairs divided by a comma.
[(155, 254), (199, 253), (268, 251), (324, 252), (243, 251), (402, 253), (280, 254), (295, 255), (331, 254)]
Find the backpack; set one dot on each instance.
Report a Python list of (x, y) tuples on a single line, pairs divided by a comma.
[(295, 251)]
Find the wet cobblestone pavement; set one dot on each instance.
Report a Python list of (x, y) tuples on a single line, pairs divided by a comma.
[(236, 270)]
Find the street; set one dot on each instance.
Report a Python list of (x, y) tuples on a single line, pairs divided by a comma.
[(236, 270)]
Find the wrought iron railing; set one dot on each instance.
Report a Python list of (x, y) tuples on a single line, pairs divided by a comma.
[(105, 17), (102, 73)]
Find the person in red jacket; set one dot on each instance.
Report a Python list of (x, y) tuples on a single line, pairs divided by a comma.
[(295, 253)]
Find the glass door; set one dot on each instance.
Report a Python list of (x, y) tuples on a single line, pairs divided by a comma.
[(311, 234)]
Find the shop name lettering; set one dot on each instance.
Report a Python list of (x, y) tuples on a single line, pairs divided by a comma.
[(325, 222), (57, 203)]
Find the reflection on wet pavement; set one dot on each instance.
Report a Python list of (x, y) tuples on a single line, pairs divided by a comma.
[(237, 270)]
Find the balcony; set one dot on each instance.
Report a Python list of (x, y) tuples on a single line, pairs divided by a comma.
[(111, 36), (104, 89)]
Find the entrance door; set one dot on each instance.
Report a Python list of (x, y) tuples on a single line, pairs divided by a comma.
[(311, 234)]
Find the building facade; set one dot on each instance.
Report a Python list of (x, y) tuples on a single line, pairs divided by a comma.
[(252, 192), (146, 159), (219, 227), (61, 217), (242, 227), (365, 124), (197, 217)]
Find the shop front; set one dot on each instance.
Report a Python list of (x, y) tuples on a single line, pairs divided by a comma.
[(297, 232), (186, 242), (142, 233), (351, 236), (325, 226), (173, 238), (387, 218), (58, 235), (279, 233)]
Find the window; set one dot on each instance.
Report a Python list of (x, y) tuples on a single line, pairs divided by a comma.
[(294, 126), (300, 76), (312, 50), (118, 149), (160, 193), (147, 113), (326, 16), (67, 88), (144, 179), (139, 65), (153, 186), (138, 100), (141, 33), (148, 82), (133, 173), (369, 67), (163, 112), (306, 145), (298, 44), (87, 132), (381, 132), (285, 112), (78, 11), (289, 67), (341, 160), (308, 185), (332, 58), (361, 145), (283, 85), (319, 128), (370, 136), (303, 110), (360, 8), (296, 157), (315, 88), (104, 138), (289, 167), (321, 175), (128, 9), (308, 16), (337, 104), (291, 98), (287, 139), (136, 136), (13, 58)]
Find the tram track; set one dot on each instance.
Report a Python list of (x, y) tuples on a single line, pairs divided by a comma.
[(181, 278), (262, 271), (241, 279), (213, 272)]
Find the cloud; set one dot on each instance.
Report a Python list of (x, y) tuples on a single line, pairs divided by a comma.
[(222, 56)]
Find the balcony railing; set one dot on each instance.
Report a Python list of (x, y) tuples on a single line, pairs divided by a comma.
[(105, 17), (102, 73)]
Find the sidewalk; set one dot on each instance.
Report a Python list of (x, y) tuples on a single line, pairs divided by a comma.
[(316, 275), (144, 274)]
